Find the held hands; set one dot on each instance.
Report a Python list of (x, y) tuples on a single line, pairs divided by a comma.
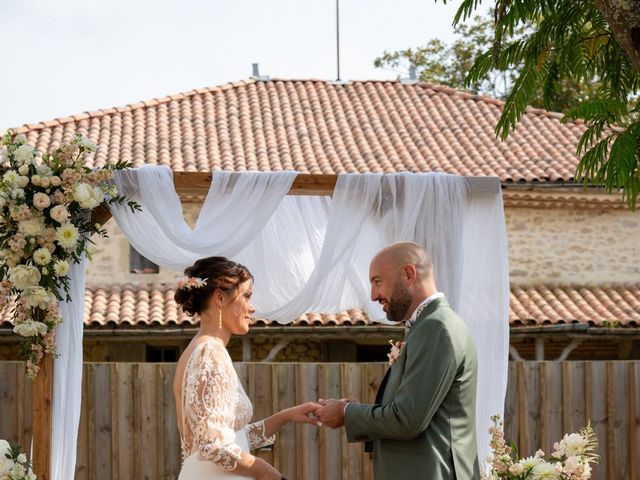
[(331, 412), (304, 413)]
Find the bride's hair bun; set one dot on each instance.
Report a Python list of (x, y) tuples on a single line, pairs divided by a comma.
[(207, 274)]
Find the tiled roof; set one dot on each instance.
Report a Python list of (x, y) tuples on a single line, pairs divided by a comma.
[(153, 305), (320, 127), (601, 306)]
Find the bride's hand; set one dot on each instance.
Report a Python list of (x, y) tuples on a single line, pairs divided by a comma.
[(266, 471), (303, 413)]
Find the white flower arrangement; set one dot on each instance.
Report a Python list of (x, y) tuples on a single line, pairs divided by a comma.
[(46, 203), (571, 459), (13, 463)]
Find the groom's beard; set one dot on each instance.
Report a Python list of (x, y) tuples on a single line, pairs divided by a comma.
[(399, 302)]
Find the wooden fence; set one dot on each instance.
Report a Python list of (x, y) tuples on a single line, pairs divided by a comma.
[(128, 424)]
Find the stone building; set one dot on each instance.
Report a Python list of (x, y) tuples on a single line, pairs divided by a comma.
[(573, 251)]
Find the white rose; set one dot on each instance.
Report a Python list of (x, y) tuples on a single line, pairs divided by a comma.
[(24, 276), (41, 200), (17, 194), (33, 227), (23, 170), (55, 181), (4, 448), (61, 268), (18, 471), (87, 196), (35, 179), (81, 192), (22, 458), (23, 154), (571, 465), (516, 469), (59, 213), (38, 297), (22, 181), (44, 170), (88, 144), (6, 464), (573, 444), (30, 329), (45, 182)]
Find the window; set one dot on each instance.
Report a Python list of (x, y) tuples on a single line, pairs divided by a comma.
[(373, 353), (140, 264), (162, 354)]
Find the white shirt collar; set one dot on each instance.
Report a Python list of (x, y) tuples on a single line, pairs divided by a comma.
[(422, 306)]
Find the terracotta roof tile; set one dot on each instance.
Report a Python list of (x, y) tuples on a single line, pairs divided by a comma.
[(314, 126), (614, 305), (153, 305)]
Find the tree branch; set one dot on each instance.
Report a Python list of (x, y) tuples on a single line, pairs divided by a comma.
[(623, 16)]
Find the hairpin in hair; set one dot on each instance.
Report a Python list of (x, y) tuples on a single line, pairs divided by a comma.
[(191, 282)]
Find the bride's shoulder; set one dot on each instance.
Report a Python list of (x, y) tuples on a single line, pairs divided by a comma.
[(209, 347)]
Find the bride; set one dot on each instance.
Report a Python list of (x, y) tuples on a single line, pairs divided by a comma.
[(213, 410)]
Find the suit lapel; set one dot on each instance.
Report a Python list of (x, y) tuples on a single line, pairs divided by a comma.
[(382, 386)]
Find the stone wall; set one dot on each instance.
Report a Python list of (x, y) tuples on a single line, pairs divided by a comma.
[(573, 246)]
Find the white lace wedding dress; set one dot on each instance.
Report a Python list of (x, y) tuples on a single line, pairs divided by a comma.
[(215, 416)]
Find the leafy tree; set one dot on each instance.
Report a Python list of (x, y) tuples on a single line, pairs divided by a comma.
[(450, 64), (576, 40)]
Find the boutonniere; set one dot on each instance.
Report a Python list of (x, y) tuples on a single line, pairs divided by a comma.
[(396, 349)]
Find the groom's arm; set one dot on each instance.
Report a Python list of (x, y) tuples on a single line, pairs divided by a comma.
[(430, 369)]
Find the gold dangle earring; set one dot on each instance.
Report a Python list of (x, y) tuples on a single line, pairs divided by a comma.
[(220, 318)]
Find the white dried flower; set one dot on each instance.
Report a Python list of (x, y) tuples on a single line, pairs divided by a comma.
[(42, 256), (61, 268), (67, 236)]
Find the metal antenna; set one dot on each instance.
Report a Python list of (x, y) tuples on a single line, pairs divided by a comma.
[(338, 37)]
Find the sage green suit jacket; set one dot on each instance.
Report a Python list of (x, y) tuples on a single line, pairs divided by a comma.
[(423, 425)]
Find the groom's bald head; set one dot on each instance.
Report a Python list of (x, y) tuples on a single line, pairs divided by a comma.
[(402, 254), (401, 277)]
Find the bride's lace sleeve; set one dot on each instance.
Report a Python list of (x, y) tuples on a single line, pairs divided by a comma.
[(208, 405), (256, 435)]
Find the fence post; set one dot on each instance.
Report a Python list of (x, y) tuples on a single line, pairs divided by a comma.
[(41, 405)]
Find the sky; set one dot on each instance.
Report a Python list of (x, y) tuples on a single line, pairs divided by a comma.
[(65, 57)]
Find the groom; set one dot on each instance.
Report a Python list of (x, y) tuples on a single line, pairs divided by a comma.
[(422, 425)]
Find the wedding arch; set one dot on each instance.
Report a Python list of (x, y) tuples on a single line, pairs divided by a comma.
[(308, 240)]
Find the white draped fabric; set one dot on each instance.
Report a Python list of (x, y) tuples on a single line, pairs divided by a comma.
[(312, 253), (67, 379)]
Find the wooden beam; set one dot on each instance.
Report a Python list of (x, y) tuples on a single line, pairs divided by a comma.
[(308, 184), (304, 184), (42, 414)]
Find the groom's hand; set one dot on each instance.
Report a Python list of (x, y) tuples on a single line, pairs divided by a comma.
[(331, 413)]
